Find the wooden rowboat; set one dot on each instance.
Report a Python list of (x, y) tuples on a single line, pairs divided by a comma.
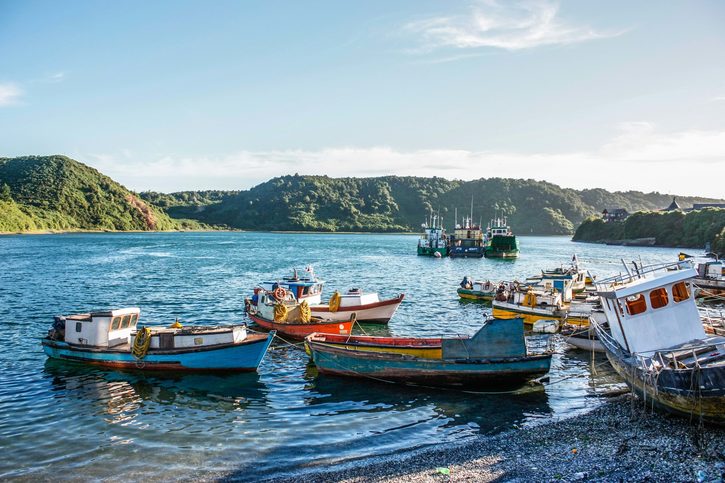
[(496, 355)]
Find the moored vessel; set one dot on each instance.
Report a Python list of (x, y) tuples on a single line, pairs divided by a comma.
[(467, 240), (485, 290), (434, 241), (364, 306), (496, 355), (656, 341), (279, 310), (500, 240), (112, 338)]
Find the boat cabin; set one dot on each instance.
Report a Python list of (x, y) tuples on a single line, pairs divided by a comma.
[(647, 314), (302, 287), (105, 328), (356, 297)]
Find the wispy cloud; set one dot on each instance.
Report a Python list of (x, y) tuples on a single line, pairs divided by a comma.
[(9, 94), (508, 26), (56, 77), (637, 157), (718, 99)]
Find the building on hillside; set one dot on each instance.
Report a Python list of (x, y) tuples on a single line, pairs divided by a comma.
[(615, 214), (673, 206)]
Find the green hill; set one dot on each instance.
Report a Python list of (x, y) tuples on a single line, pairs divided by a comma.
[(670, 228), (58, 193), (394, 203)]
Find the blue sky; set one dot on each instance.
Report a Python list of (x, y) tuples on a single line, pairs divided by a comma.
[(222, 95)]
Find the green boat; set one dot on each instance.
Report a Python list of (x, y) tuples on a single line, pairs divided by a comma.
[(434, 241), (500, 240)]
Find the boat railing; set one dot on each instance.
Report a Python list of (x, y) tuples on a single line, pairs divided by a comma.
[(636, 272)]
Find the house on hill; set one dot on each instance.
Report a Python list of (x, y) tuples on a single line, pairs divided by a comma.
[(673, 206), (615, 214)]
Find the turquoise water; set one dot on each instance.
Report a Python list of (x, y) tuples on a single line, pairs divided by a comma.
[(61, 419)]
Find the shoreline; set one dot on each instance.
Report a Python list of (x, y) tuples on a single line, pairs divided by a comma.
[(620, 440), (230, 230)]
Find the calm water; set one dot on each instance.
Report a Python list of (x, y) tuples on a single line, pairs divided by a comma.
[(61, 419)]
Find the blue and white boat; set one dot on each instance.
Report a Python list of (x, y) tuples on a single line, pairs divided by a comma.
[(112, 338)]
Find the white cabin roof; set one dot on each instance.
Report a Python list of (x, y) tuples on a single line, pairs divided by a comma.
[(645, 284)]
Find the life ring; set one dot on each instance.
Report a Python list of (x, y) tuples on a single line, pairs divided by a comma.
[(279, 293)]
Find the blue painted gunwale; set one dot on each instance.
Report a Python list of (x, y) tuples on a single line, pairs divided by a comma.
[(240, 357)]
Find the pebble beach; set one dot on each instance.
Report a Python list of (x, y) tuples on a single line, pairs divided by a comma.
[(619, 441)]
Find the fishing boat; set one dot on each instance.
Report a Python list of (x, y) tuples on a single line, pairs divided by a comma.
[(656, 341), (485, 290), (553, 301), (279, 310), (710, 279), (500, 240), (468, 238), (302, 284), (571, 278), (112, 338), (584, 337), (495, 355), (434, 241), (365, 306)]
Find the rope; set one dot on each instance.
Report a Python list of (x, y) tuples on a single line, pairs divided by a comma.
[(141, 343)]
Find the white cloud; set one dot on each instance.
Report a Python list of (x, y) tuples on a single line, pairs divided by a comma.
[(9, 94), (637, 158), (508, 26), (718, 99)]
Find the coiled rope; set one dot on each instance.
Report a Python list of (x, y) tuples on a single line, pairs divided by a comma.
[(141, 343)]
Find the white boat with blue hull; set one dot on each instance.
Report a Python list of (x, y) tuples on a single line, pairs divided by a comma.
[(111, 338)]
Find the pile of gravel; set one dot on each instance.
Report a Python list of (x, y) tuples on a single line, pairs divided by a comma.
[(619, 441)]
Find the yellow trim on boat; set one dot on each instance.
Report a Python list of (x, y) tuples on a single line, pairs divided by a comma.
[(421, 352)]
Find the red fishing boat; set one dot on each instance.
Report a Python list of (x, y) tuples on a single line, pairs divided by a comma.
[(279, 310)]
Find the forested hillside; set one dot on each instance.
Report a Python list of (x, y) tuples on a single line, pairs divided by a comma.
[(671, 228), (58, 193), (394, 203)]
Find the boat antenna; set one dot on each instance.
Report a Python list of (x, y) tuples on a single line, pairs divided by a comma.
[(471, 219)]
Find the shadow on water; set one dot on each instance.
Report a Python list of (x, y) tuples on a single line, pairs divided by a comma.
[(424, 413), (93, 384)]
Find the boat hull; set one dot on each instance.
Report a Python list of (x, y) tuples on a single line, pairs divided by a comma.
[(505, 310), (240, 357), (491, 253), (466, 253), (430, 252), (585, 343), (690, 393), (434, 372), (300, 330), (378, 312), (475, 294)]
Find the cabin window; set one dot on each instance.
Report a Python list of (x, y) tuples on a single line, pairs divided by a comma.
[(658, 298), (680, 292), (134, 319), (79, 326), (116, 323), (635, 304), (126, 321), (305, 290)]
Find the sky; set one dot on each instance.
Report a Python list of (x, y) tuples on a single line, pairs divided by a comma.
[(188, 95)]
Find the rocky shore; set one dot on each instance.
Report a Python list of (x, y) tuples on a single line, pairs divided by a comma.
[(619, 441)]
